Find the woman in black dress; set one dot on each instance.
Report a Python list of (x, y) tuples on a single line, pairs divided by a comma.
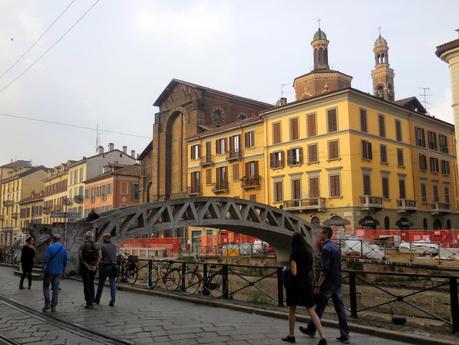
[(300, 289), (27, 256)]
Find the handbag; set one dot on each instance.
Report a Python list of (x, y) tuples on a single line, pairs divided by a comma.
[(287, 277)]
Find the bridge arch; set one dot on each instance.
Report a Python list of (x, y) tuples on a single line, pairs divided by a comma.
[(265, 222)]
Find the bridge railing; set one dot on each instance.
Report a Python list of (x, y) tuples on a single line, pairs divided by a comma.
[(431, 296)]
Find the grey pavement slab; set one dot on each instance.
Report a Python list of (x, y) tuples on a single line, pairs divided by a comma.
[(151, 319)]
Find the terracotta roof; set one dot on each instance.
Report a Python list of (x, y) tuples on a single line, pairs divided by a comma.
[(174, 82), (447, 46), (412, 103), (318, 71), (231, 125), (145, 151), (84, 159), (17, 164), (127, 170), (26, 173)]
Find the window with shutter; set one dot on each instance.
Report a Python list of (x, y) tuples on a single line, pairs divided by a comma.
[(383, 153), (333, 150), (296, 189), (435, 193), (276, 133), (314, 187), (382, 126), (332, 120), (335, 189), (195, 152), (235, 172), (294, 131), (420, 137), (400, 160), (363, 120), (443, 139), (385, 187), (311, 124), (209, 176), (294, 156), (278, 190), (401, 188), (445, 167), (249, 139), (312, 153), (423, 192), (208, 149), (432, 140), (446, 190), (366, 184), (366, 150), (422, 162), (398, 130), (434, 165)]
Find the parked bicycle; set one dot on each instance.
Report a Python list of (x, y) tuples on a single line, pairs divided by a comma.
[(213, 283)]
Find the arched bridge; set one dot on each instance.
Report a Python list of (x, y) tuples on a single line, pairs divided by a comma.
[(268, 223)]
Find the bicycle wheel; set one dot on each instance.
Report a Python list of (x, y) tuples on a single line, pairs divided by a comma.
[(152, 279), (192, 282), (216, 284), (131, 276), (171, 279)]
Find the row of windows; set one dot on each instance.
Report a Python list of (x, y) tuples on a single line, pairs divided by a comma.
[(367, 153), (311, 126), (435, 193), (34, 211), (381, 125), (98, 191), (10, 187), (77, 176), (433, 165), (221, 145), (441, 145)]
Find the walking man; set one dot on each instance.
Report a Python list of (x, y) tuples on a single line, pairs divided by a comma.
[(89, 260), (107, 269), (54, 265), (329, 285)]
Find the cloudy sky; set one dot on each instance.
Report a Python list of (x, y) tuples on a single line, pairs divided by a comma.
[(112, 65)]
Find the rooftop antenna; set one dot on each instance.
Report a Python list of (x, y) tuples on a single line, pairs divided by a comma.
[(424, 95), (282, 85), (97, 136), (318, 22)]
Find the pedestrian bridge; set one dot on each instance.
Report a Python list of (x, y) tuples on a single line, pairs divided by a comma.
[(265, 222)]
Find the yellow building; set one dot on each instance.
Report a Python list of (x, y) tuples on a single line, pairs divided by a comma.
[(31, 209), (338, 154), (19, 184), (56, 201)]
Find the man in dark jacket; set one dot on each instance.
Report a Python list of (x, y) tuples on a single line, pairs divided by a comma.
[(107, 269), (329, 285), (89, 260), (54, 265)]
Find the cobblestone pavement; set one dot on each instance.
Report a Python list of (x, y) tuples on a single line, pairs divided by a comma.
[(147, 319)]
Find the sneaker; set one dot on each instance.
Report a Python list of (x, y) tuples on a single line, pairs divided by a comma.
[(343, 339), (323, 341), (288, 339), (21, 288), (29, 287), (53, 309), (307, 331), (46, 308), (111, 304), (89, 306)]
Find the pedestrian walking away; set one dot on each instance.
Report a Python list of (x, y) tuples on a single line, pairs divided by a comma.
[(107, 269), (299, 287), (89, 260), (54, 264), (329, 285), (27, 258)]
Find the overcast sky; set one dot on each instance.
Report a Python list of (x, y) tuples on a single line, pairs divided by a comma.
[(110, 68)]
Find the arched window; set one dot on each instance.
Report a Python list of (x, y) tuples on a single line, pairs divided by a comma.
[(437, 224), (386, 223), (424, 224), (380, 91), (315, 221)]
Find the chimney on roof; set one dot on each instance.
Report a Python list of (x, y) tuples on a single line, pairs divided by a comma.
[(111, 147), (100, 150), (133, 153), (125, 149), (281, 102)]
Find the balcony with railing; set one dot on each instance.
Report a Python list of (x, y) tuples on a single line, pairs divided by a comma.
[(308, 204), (234, 155), (207, 160), (371, 202), (251, 182), (220, 187), (194, 191), (405, 205), (439, 208)]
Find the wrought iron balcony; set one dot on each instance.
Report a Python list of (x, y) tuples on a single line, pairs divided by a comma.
[(405, 205), (439, 208), (313, 204), (8, 203), (371, 202), (220, 187), (251, 182), (234, 155), (207, 160), (194, 191)]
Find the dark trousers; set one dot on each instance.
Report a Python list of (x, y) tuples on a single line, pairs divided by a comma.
[(336, 294), (53, 280), (88, 283), (104, 272), (26, 271)]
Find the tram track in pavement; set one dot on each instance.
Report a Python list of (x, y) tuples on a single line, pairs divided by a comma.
[(93, 336)]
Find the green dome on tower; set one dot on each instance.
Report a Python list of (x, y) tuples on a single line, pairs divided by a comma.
[(319, 35)]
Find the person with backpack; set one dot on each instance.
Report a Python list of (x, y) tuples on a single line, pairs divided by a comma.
[(54, 264), (90, 256), (107, 269)]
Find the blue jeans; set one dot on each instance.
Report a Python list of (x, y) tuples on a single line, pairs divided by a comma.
[(336, 294), (54, 280), (104, 272)]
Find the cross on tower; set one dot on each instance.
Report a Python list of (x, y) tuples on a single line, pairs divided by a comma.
[(379, 29), (318, 22)]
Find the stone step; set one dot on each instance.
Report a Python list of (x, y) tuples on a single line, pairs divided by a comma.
[(35, 275)]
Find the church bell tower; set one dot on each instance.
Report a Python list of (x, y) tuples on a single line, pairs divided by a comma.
[(382, 74)]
